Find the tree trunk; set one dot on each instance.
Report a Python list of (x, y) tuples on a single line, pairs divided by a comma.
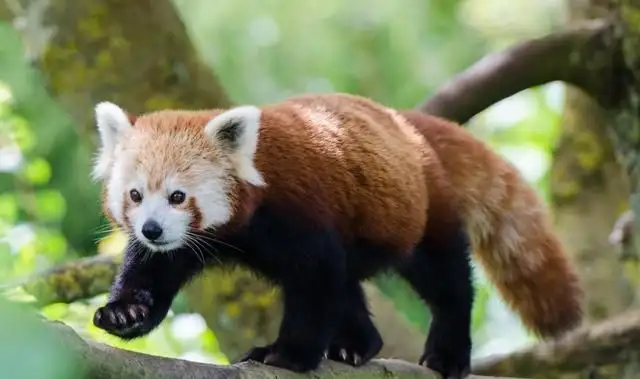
[(589, 190), (138, 55)]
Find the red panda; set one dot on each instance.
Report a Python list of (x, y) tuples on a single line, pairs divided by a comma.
[(317, 193)]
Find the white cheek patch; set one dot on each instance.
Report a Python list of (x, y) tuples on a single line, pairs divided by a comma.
[(214, 204)]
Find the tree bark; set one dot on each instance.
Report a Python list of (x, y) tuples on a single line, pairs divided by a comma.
[(588, 191), (505, 73), (603, 350)]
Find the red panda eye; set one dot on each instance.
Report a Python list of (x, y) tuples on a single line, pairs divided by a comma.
[(135, 196), (177, 197)]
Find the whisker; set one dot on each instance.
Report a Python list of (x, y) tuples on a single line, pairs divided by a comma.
[(211, 237), (194, 247), (195, 239)]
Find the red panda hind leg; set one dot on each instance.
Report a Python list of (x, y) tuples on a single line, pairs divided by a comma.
[(357, 340), (440, 272)]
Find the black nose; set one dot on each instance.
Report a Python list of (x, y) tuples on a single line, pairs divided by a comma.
[(151, 230)]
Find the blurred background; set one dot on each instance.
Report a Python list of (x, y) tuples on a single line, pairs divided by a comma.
[(58, 58)]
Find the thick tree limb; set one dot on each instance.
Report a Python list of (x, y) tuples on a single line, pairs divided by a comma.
[(613, 341), (562, 56), (73, 281), (33, 347), (601, 344), (99, 361)]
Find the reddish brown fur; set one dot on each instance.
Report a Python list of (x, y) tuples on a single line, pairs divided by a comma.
[(196, 215), (510, 230), (356, 191)]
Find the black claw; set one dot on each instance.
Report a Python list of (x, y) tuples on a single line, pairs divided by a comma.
[(123, 320), (356, 350), (257, 353)]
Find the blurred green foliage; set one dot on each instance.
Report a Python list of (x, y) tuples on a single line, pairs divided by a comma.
[(23, 335), (396, 52)]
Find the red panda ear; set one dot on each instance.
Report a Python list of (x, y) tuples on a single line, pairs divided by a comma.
[(236, 133), (111, 121), (235, 130)]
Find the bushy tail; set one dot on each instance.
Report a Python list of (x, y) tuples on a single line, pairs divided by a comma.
[(509, 228)]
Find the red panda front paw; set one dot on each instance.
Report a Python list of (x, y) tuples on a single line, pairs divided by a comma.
[(123, 320)]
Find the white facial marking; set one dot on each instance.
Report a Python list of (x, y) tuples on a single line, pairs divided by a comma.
[(212, 199), (236, 130), (173, 222), (111, 121), (210, 194)]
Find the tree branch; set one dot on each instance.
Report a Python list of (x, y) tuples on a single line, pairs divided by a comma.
[(73, 281), (585, 56), (99, 361), (613, 341)]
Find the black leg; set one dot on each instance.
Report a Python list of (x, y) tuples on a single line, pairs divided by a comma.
[(144, 289), (312, 307), (357, 340), (310, 265), (440, 272)]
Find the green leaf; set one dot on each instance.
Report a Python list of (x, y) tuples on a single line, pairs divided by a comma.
[(21, 133), (29, 349), (37, 171), (51, 243), (50, 205), (8, 209)]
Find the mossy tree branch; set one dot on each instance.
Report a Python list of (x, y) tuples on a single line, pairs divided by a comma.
[(610, 342), (70, 356), (616, 340), (585, 56)]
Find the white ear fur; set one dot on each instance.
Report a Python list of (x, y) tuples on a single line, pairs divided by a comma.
[(111, 121), (237, 130)]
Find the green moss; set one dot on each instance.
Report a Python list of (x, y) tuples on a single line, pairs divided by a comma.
[(589, 151)]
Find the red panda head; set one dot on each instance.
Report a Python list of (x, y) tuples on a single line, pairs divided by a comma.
[(170, 173)]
